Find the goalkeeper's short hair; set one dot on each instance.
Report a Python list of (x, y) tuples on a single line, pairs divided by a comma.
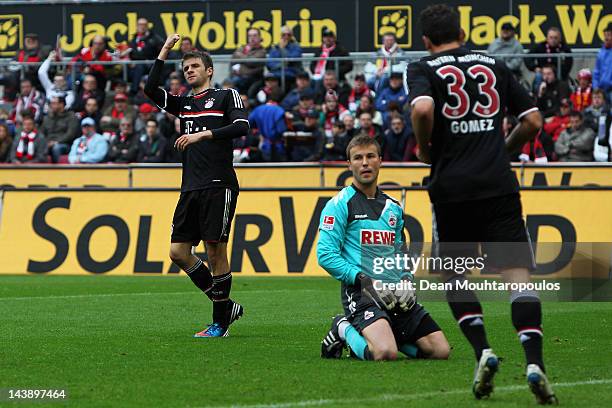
[(362, 140)]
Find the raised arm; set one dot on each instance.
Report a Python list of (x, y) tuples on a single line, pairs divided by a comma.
[(159, 96)]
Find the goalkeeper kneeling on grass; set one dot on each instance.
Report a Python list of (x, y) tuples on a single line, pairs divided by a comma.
[(359, 227)]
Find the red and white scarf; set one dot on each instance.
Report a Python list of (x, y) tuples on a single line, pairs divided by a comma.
[(582, 98), (388, 54), (26, 145), (322, 62)]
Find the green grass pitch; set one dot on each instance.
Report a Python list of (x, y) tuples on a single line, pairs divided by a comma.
[(127, 341)]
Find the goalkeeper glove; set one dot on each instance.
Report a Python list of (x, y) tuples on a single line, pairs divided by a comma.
[(383, 298), (406, 295)]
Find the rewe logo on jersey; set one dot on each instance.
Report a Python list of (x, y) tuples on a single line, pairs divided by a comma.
[(377, 237)]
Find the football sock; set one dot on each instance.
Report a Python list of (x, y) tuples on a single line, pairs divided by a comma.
[(357, 343), (201, 277), (468, 312), (527, 320), (222, 286), (412, 351)]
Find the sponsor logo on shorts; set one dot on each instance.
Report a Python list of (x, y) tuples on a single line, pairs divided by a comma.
[(328, 222), (377, 237), (367, 315)]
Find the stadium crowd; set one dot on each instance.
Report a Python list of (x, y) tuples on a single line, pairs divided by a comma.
[(310, 115)]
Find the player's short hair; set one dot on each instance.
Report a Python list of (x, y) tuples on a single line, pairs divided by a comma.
[(440, 23), (201, 55), (362, 140)]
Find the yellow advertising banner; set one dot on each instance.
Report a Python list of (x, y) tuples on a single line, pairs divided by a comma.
[(274, 232), (280, 175), (566, 175), (64, 176)]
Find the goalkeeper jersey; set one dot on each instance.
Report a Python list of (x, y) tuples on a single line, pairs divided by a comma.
[(354, 230)]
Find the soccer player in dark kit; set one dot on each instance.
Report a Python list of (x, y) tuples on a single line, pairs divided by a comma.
[(458, 100), (210, 119)]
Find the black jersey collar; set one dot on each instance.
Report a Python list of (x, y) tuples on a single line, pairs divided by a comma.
[(378, 192)]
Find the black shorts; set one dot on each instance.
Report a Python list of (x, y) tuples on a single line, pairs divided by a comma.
[(204, 215), (494, 224), (407, 327)]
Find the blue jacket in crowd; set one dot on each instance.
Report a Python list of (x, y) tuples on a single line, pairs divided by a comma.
[(94, 150), (292, 50), (602, 74)]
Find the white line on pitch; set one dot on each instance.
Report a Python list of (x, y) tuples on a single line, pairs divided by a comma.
[(193, 292), (392, 397)]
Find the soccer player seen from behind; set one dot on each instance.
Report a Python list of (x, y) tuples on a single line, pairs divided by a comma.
[(357, 225), (210, 118), (458, 100)]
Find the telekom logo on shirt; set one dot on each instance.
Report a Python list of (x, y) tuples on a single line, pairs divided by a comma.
[(377, 237)]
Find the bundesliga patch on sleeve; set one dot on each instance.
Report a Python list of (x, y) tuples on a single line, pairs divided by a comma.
[(328, 222)]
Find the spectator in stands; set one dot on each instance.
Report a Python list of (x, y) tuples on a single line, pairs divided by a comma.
[(165, 123), (287, 47), (576, 142), (298, 114), (271, 86), (29, 146), (307, 146), (554, 125), (175, 85), (336, 151), (88, 90), (389, 57), (602, 74), (581, 97), (91, 110), (291, 100), (185, 47), (96, 51), (394, 93), (140, 96), (359, 89), (5, 120), (173, 155), (152, 146), (124, 146), (332, 111), (330, 48), (367, 127), (400, 142), (597, 109), (146, 111), (552, 45), (33, 52), (269, 118), (366, 104), (113, 114), (246, 74), (119, 86), (6, 142), (507, 43), (90, 147), (145, 46), (349, 125), (330, 81), (551, 92), (30, 100), (60, 127), (58, 87)]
